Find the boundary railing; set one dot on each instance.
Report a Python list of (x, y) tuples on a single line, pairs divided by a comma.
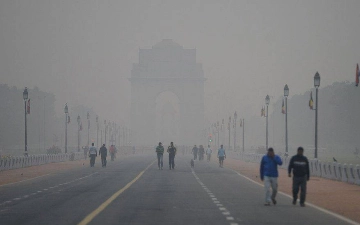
[(35, 160), (343, 172)]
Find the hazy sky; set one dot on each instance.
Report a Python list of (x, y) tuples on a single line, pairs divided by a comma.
[(83, 51)]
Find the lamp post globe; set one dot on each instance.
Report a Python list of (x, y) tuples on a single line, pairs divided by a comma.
[(286, 90), (66, 109), (25, 94), (267, 100), (317, 80)]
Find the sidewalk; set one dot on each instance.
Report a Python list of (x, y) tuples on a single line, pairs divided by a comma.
[(22, 174), (338, 197)]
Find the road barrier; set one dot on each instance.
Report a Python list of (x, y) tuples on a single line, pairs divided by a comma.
[(347, 173), (9, 163)]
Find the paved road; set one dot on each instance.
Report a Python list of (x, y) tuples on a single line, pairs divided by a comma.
[(134, 191)]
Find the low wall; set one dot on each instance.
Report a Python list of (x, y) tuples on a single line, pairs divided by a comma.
[(330, 170), (35, 160)]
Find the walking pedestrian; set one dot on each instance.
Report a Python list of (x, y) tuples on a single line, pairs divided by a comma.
[(299, 165), (195, 152), (112, 151), (269, 174), (160, 155), (86, 150), (103, 154), (201, 152), (92, 155), (172, 152), (221, 156), (208, 153)]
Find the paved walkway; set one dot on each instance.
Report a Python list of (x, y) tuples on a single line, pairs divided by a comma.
[(335, 196), (338, 197)]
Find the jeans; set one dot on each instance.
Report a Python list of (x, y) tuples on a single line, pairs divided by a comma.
[(103, 161), (92, 160), (270, 182), (160, 160), (171, 161), (299, 183)]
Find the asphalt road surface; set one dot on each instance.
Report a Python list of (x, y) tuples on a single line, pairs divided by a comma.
[(132, 190)]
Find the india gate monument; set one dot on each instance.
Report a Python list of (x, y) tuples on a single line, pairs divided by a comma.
[(167, 96)]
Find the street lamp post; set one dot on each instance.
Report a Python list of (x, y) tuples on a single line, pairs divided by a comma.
[(235, 117), (316, 84), (218, 133), (229, 130), (105, 130), (267, 102), (78, 121), (243, 142), (97, 130), (88, 119), (286, 94), (25, 97), (66, 111)]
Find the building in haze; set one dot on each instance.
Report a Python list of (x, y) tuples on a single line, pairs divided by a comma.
[(167, 96)]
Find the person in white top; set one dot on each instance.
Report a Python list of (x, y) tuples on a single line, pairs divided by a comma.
[(208, 153)]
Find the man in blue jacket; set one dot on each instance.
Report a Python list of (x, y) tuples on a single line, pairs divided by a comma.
[(269, 174)]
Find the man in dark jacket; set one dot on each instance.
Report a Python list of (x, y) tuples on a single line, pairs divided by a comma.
[(103, 154), (299, 165), (269, 174), (195, 152), (172, 152)]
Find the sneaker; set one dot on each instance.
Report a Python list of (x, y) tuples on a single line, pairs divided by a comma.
[(294, 202), (302, 204), (273, 201), (267, 204)]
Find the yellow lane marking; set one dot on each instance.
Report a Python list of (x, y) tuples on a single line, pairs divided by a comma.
[(97, 211)]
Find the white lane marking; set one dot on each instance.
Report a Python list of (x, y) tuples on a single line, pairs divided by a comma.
[(34, 193), (24, 180), (215, 200), (309, 204)]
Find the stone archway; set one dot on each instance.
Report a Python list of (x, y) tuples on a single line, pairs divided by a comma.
[(167, 68)]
